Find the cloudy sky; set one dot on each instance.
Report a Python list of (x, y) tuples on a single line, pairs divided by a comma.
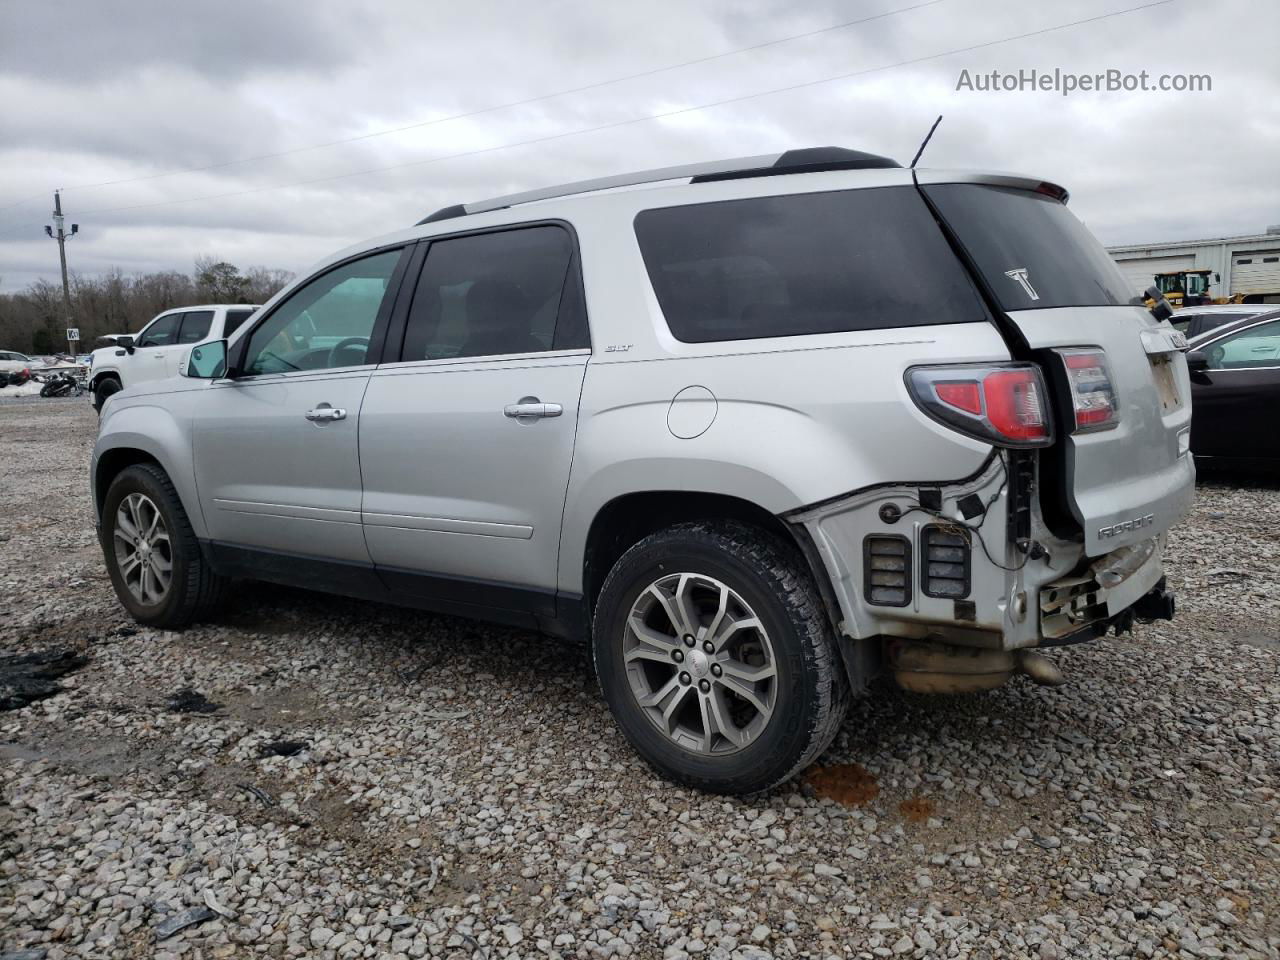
[(122, 104)]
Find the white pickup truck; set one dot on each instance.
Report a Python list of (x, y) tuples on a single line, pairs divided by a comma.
[(160, 348)]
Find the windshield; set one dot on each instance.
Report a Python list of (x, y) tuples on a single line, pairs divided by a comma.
[(1030, 249)]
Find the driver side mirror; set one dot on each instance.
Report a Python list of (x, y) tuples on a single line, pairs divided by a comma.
[(126, 343), (208, 361), (1197, 362)]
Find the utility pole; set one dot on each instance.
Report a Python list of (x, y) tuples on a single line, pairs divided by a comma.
[(57, 233)]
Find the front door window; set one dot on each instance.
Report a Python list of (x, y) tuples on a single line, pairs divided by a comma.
[(325, 323)]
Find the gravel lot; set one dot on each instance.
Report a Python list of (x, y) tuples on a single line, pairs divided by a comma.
[(460, 789)]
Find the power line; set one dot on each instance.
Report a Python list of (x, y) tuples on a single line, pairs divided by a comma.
[(653, 116), (26, 199), (514, 103)]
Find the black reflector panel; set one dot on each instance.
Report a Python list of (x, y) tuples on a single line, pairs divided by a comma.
[(944, 563), (886, 570)]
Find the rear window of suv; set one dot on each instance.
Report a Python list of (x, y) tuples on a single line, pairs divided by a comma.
[(1030, 249), (803, 263)]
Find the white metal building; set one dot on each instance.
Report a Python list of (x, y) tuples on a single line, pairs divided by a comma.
[(1246, 265)]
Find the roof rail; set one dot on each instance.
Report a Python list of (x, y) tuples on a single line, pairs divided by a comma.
[(806, 160)]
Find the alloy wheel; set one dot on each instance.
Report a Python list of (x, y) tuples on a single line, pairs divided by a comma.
[(700, 663), (144, 552)]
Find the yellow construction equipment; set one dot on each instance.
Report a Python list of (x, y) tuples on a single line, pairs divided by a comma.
[(1190, 288)]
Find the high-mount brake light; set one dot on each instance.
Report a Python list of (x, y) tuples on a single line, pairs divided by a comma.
[(1093, 397), (1053, 190), (1004, 404)]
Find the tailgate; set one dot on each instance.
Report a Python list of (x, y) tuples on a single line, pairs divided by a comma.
[(1124, 480), (1127, 483)]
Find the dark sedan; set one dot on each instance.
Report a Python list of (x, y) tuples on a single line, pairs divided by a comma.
[(1235, 392)]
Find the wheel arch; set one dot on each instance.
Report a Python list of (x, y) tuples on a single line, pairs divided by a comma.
[(111, 463), (627, 519), (146, 433), (100, 375)]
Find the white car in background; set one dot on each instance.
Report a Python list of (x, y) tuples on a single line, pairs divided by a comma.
[(160, 348), (11, 361), (12, 364)]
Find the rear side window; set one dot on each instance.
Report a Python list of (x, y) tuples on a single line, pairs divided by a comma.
[(195, 326), (1030, 249), (513, 291), (803, 263), (234, 319)]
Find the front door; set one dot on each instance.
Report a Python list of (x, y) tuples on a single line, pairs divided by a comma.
[(276, 445), (1234, 402), (467, 438), (153, 349)]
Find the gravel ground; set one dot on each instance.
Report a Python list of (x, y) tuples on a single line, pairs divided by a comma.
[(457, 789)]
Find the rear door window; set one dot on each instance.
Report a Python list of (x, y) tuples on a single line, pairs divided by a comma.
[(1030, 249), (234, 319), (195, 326), (803, 264), (489, 294)]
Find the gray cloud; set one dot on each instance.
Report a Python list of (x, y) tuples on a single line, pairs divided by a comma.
[(171, 86)]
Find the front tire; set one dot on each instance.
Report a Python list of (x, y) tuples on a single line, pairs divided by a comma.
[(105, 388), (716, 657), (152, 555)]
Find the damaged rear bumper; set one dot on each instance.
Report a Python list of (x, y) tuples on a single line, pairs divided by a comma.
[(971, 564)]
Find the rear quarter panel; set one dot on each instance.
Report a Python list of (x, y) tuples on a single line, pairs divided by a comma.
[(794, 421)]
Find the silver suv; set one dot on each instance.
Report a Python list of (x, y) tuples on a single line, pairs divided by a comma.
[(758, 430)]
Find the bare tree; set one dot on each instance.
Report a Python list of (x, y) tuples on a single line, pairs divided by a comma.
[(31, 320)]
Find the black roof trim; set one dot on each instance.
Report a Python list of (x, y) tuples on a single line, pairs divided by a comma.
[(444, 213), (804, 160), (808, 160)]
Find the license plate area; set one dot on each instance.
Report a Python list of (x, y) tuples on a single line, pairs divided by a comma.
[(1166, 383)]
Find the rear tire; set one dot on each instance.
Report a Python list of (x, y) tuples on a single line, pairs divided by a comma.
[(152, 555), (105, 388), (717, 659)]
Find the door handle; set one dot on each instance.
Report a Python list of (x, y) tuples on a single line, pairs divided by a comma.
[(324, 414), (530, 409)]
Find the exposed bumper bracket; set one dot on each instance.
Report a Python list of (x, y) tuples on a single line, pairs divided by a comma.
[(1156, 604)]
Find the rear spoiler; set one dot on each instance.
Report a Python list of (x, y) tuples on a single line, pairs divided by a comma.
[(926, 177)]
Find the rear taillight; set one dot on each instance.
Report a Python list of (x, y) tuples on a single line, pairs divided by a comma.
[(1004, 404), (1093, 397)]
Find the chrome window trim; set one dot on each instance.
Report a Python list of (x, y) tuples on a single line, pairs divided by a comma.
[(445, 363), (1231, 333)]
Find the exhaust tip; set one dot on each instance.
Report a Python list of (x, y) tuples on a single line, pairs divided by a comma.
[(1041, 669)]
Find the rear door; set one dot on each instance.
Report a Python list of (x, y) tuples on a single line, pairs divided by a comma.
[(466, 439), (194, 328), (1131, 477), (1237, 397)]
